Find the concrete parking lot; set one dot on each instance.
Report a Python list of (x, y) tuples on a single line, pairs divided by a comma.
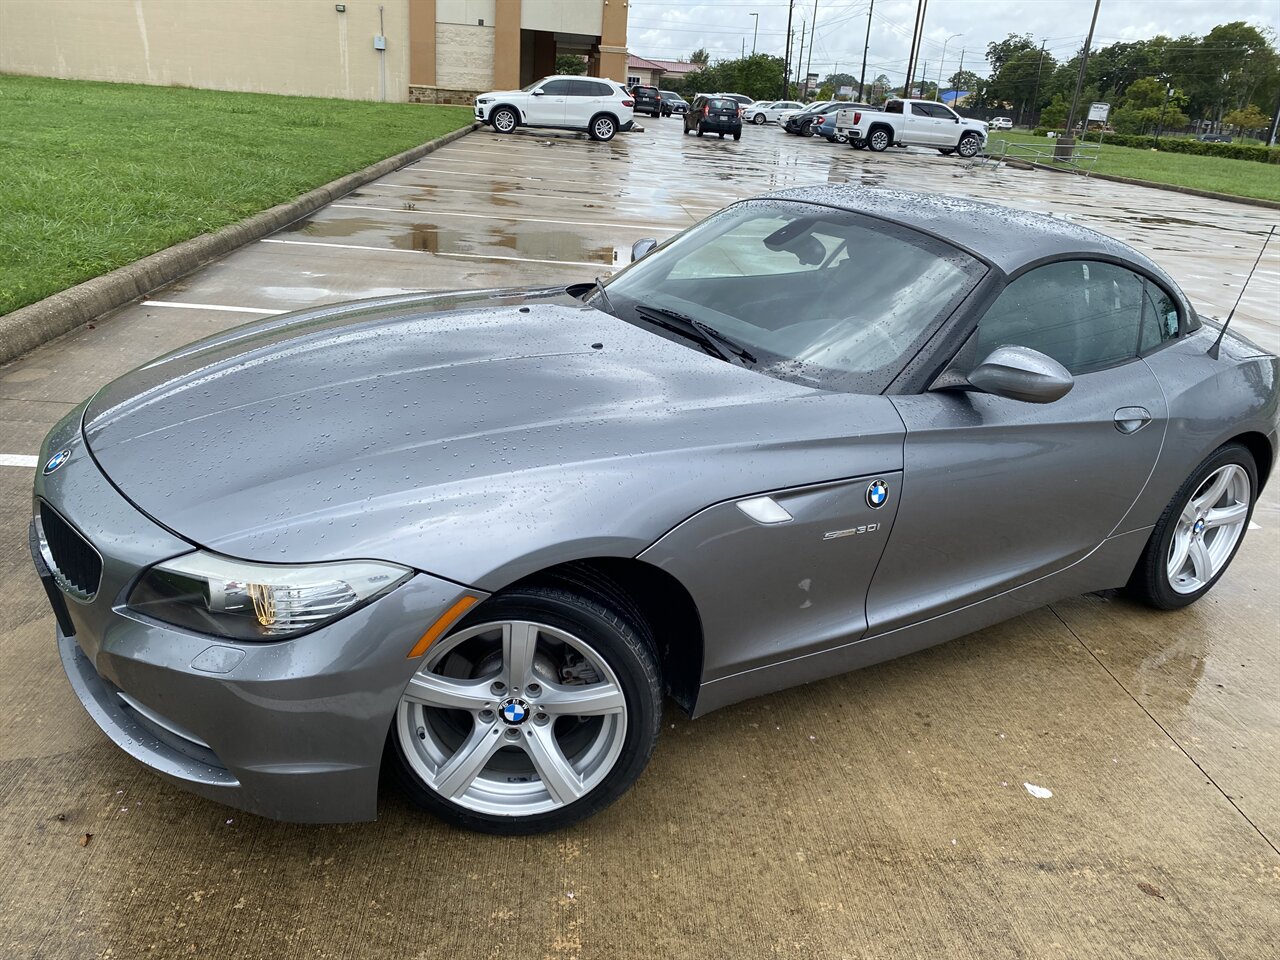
[(887, 813)]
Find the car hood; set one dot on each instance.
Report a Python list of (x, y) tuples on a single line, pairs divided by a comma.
[(466, 435)]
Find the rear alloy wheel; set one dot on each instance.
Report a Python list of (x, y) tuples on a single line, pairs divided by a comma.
[(504, 120), (879, 140), (603, 129), (968, 146), (1198, 534), (541, 709)]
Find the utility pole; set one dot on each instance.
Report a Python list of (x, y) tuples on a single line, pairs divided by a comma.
[(862, 77), (809, 63), (1075, 100), (1035, 97), (1168, 92), (911, 57), (786, 70), (754, 32), (800, 59)]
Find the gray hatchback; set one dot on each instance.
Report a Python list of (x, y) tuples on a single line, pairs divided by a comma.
[(718, 115)]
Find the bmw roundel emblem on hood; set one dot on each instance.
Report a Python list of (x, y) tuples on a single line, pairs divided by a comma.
[(57, 460), (877, 494)]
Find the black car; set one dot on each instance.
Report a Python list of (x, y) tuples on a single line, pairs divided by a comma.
[(802, 123), (673, 103), (648, 100), (714, 115), (1215, 138)]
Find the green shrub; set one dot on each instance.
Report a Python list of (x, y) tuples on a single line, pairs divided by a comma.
[(1232, 151)]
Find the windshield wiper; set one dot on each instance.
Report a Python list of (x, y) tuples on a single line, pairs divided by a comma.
[(697, 331), (604, 295)]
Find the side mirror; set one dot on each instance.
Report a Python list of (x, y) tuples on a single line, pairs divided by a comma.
[(1021, 373), (642, 248), (538, 93)]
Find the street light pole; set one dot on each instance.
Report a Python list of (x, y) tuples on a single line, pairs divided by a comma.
[(1168, 92), (943, 61), (809, 63), (754, 32), (862, 77)]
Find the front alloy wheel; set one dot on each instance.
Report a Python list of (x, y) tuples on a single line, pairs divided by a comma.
[(758, 119), (504, 119), (968, 146), (1196, 537), (879, 140), (540, 709)]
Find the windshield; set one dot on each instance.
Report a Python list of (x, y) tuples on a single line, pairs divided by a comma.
[(817, 295)]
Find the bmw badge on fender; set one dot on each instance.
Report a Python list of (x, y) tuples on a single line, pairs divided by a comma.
[(299, 555)]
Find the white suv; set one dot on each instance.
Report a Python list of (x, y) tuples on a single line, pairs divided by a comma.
[(1002, 123), (596, 105)]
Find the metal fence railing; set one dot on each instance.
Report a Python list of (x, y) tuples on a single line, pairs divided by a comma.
[(1079, 157)]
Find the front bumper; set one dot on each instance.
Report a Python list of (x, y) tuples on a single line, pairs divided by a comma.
[(292, 730)]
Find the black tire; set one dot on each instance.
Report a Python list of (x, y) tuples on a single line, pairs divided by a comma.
[(969, 145), (504, 120), (830, 139), (700, 130), (807, 130), (878, 140), (721, 136), (612, 626), (602, 127), (737, 136), (946, 151), (1149, 582), (858, 144), (758, 119)]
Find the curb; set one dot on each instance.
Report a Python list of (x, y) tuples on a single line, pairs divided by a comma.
[(1171, 187), (37, 323)]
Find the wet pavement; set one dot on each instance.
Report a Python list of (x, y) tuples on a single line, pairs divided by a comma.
[(886, 813)]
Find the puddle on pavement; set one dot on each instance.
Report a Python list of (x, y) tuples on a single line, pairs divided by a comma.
[(543, 243)]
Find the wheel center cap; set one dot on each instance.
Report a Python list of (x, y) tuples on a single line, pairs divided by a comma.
[(1199, 527), (513, 711)]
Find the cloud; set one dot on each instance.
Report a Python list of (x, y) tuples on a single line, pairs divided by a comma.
[(670, 29)]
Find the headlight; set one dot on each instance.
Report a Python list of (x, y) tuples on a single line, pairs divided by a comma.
[(258, 601), (484, 100)]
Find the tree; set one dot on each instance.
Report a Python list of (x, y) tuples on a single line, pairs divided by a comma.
[(964, 80), (999, 54), (571, 64), (878, 89), (700, 56), (759, 75), (1247, 119), (1055, 114), (838, 80)]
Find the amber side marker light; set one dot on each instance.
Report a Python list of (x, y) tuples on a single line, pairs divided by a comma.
[(447, 619)]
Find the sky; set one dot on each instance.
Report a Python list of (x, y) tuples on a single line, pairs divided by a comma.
[(672, 29)]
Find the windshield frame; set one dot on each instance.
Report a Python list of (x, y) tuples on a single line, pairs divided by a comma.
[(790, 368)]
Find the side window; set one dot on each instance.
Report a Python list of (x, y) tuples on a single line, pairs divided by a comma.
[(921, 110), (588, 88), (893, 106), (558, 88), (1086, 315), (1159, 318)]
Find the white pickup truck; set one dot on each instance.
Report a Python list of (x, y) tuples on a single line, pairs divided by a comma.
[(912, 123)]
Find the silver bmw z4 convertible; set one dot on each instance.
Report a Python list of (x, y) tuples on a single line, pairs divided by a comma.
[(475, 539)]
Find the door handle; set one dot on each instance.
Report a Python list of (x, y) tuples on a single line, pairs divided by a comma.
[(1132, 419)]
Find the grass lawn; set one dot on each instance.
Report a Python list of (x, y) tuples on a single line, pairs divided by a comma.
[(97, 175), (1243, 178)]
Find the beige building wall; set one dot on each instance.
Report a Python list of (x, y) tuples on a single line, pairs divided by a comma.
[(301, 47)]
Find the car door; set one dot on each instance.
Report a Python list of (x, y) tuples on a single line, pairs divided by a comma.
[(548, 104), (999, 492), (923, 128), (583, 102)]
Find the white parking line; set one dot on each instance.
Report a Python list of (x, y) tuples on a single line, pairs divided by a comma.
[(16, 460), (465, 256), (486, 216), (209, 306)]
